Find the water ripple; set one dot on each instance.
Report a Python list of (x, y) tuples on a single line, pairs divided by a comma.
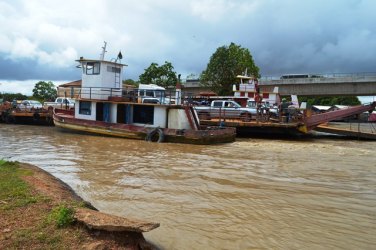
[(253, 193)]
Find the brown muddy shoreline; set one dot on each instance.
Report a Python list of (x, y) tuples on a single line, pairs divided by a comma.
[(108, 231)]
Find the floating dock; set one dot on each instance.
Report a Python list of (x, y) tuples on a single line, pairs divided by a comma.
[(346, 132), (254, 127)]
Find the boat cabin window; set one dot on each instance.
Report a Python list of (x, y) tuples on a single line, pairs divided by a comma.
[(91, 68), (159, 93), (113, 69), (143, 114), (151, 93), (251, 104), (85, 108)]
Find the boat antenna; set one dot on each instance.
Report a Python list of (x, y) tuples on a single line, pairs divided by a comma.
[(103, 51)]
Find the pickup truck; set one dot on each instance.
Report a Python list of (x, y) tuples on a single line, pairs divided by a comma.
[(225, 109), (60, 102)]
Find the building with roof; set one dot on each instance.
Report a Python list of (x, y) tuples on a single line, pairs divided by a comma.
[(70, 89)]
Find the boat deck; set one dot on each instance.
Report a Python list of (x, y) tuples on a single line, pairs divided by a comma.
[(355, 133), (255, 127)]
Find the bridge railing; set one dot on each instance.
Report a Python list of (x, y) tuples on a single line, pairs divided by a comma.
[(326, 75)]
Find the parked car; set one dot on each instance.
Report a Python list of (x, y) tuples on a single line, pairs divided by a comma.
[(225, 109), (60, 102), (29, 104)]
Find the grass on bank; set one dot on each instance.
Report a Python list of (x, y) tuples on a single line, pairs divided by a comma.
[(13, 191), (28, 219)]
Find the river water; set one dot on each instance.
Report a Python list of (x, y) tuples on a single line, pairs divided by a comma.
[(317, 193)]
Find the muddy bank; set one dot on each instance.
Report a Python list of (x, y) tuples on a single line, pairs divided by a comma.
[(92, 229)]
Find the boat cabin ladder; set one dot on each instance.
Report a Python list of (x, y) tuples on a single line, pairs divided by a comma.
[(117, 77), (192, 117)]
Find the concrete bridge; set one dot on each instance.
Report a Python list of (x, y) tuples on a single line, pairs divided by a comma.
[(357, 84)]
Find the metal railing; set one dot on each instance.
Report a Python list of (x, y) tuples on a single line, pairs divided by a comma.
[(131, 95), (320, 75)]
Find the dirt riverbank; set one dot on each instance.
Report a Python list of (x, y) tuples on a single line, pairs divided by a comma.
[(27, 215)]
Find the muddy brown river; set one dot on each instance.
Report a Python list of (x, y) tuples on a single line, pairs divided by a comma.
[(316, 193)]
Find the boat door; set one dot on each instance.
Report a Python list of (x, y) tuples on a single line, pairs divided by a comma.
[(103, 111), (123, 113), (99, 111)]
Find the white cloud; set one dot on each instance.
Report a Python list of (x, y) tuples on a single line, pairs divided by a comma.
[(23, 87), (283, 36), (217, 10), (58, 58), (23, 48)]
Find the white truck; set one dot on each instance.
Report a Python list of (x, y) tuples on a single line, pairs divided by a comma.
[(225, 109), (151, 93), (60, 102)]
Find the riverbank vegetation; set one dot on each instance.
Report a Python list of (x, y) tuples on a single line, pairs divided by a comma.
[(330, 100), (37, 212), (30, 219)]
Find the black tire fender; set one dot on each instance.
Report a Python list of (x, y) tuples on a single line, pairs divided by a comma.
[(155, 135), (36, 117)]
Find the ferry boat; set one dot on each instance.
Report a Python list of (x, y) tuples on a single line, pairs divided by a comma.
[(105, 107), (272, 116)]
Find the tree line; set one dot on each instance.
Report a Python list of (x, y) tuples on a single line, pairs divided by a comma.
[(42, 91), (220, 74)]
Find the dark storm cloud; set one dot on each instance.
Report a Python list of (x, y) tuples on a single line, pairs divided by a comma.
[(31, 69), (41, 39)]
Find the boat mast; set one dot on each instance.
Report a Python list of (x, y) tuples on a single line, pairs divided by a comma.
[(103, 51)]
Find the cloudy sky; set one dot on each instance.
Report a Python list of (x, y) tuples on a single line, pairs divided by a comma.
[(41, 39)]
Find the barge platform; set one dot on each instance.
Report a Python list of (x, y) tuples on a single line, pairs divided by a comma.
[(354, 133)]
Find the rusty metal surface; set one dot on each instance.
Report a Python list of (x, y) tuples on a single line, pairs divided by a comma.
[(315, 120), (205, 135)]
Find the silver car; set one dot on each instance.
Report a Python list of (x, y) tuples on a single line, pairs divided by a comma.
[(29, 104)]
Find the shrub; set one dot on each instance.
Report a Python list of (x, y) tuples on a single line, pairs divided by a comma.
[(62, 215)]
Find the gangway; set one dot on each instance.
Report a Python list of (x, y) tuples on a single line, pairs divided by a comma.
[(313, 121)]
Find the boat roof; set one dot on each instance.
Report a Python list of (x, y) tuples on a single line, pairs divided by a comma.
[(98, 60), (341, 106), (245, 77), (150, 87), (321, 107), (76, 83)]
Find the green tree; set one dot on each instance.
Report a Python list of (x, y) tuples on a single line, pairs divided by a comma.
[(225, 64), (330, 100), (163, 75), (44, 91)]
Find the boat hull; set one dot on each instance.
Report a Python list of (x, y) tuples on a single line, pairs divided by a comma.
[(254, 128), (204, 136)]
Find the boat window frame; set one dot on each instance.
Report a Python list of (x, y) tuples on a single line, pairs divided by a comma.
[(92, 68), (83, 109), (113, 69)]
